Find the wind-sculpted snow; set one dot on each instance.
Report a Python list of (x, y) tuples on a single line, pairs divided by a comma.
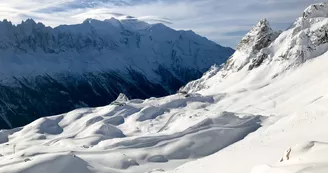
[(46, 71), (138, 136)]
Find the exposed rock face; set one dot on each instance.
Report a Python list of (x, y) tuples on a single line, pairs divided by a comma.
[(121, 99), (258, 38)]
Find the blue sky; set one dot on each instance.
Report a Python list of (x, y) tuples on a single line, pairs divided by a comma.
[(223, 21)]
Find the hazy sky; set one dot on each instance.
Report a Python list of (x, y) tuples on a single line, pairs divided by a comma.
[(223, 21)]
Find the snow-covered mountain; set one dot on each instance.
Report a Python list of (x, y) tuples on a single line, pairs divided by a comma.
[(264, 54), (47, 71), (264, 111), (246, 54)]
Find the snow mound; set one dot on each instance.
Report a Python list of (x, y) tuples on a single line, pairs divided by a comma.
[(150, 112), (52, 164), (105, 130), (139, 136), (45, 126), (117, 120), (93, 120), (158, 158)]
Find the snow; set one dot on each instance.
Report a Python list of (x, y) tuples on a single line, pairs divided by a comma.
[(290, 86), (59, 163), (270, 118), (139, 136), (296, 103)]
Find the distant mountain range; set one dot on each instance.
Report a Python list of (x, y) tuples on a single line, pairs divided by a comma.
[(46, 71)]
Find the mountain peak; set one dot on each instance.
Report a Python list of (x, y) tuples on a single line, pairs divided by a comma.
[(259, 37), (5, 21), (316, 10), (250, 40), (263, 22), (29, 21), (112, 19), (88, 20)]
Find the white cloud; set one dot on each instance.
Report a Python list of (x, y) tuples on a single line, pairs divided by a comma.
[(224, 21)]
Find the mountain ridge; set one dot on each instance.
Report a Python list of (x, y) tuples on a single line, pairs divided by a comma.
[(98, 58), (304, 40)]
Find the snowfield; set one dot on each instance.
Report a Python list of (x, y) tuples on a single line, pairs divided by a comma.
[(263, 113), (297, 103), (135, 136)]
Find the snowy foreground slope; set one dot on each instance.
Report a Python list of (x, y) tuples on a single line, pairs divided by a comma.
[(136, 136), (264, 111)]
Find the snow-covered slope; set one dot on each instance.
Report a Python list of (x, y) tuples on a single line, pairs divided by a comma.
[(47, 71), (137, 136), (297, 104), (286, 80), (265, 111)]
